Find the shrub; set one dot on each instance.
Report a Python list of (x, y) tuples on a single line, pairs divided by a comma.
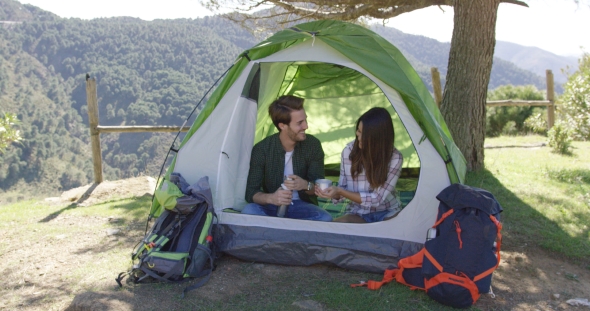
[(574, 105), (511, 120), (510, 128), (8, 134), (559, 139), (537, 122)]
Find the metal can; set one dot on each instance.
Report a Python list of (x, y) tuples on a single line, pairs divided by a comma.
[(282, 211), (431, 234)]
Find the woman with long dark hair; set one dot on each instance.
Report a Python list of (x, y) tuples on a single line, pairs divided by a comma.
[(369, 169)]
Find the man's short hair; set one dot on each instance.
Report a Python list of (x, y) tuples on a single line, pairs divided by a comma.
[(280, 109)]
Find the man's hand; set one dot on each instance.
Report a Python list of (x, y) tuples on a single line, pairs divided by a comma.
[(294, 182), (281, 197)]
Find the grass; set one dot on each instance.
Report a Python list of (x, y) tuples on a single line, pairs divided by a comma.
[(545, 197), (49, 252)]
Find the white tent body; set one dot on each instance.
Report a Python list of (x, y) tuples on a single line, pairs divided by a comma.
[(221, 147)]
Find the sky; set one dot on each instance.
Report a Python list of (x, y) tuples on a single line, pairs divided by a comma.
[(557, 26)]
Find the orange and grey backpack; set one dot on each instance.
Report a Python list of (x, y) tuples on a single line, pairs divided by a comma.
[(455, 266)]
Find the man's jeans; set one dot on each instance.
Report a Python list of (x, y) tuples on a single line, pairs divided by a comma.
[(298, 210)]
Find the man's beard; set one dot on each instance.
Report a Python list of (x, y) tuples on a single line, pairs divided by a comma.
[(295, 136)]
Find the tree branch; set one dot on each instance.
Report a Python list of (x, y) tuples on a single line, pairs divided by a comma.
[(515, 2), (349, 10), (286, 12)]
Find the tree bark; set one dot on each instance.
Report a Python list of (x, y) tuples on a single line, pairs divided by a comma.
[(468, 74)]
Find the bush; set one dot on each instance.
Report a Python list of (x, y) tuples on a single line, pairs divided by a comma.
[(559, 139), (537, 122), (8, 134), (497, 119), (574, 105), (511, 120), (510, 128)]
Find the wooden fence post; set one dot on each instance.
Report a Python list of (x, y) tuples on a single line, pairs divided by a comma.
[(436, 85), (94, 133), (551, 98)]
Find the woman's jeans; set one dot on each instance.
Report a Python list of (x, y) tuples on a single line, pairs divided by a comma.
[(375, 217)]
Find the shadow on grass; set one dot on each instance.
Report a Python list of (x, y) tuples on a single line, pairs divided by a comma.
[(102, 301), (581, 176), (138, 207), (135, 224), (55, 214), (524, 226), (82, 198), (576, 247)]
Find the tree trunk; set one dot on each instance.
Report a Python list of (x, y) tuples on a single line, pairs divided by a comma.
[(470, 64)]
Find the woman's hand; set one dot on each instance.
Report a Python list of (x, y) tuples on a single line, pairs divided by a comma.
[(332, 192)]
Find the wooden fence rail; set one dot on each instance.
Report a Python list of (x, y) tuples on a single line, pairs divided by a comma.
[(141, 128), (511, 102)]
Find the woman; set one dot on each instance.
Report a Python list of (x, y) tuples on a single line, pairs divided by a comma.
[(369, 169)]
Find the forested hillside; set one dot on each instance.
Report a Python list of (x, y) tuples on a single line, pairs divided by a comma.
[(14, 11), (147, 73), (423, 53)]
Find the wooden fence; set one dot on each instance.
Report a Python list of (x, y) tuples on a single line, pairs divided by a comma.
[(549, 102), (96, 129)]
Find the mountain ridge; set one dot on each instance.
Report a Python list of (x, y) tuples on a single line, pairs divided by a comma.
[(536, 59)]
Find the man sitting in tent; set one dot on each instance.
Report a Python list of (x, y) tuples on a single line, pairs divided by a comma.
[(289, 158)]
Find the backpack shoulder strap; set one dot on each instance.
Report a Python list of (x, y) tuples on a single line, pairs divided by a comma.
[(498, 245), (414, 261), (388, 276), (205, 274)]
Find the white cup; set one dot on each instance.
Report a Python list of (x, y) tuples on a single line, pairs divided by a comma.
[(324, 183)]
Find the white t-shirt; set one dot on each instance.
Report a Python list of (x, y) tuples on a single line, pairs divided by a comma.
[(289, 170)]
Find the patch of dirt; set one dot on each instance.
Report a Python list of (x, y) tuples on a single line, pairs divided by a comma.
[(534, 279), (36, 272)]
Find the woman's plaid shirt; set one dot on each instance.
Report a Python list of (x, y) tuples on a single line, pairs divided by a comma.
[(372, 200)]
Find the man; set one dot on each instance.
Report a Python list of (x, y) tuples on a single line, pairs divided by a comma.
[(289, 157)]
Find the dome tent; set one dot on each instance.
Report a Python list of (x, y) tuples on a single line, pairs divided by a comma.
[(341, 70)]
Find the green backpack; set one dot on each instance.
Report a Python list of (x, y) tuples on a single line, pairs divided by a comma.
[(178, 247)]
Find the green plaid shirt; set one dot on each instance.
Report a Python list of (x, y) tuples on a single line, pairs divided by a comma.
[(267, 165)]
